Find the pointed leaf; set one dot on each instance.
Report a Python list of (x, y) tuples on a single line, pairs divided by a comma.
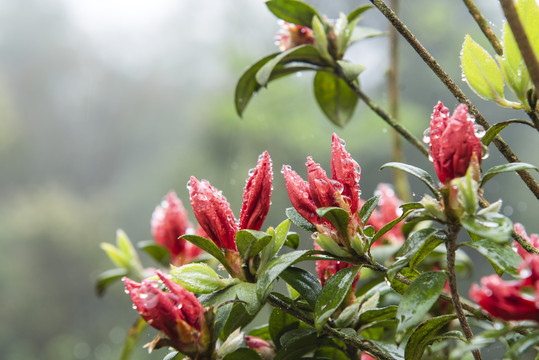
[(481, 71), (333, 294), (336, 99), (299, 220), (501, 255), (197, 278), (337, 216), (367, 209), (350, 70), (357, 12), (207, 245), (406, 209), (417, 300), (495, 129), (274, 269), (158, 252), (305, 283), (505, 168), (251, 242), (292, 240), (320, 39), (107, 278), (292, 11), (424, 334), (418, 173), (278, 239), (492, 226), (279, 324)]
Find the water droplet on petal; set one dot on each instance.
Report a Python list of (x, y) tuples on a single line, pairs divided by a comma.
[(426, 136), (479, 131), (343, 143)]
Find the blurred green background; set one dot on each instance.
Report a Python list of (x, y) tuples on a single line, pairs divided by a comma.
[(106, 105)]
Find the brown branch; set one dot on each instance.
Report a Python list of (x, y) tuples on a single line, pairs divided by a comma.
[(454, 89), (483, 24)]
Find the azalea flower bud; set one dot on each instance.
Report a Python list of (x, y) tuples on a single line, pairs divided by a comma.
[(292, 35), (452, 142), (346, 171), (213, 213), (257, 194), (327, 268), (169, 222), (509, 300), (261, 346), (176, 312), (300, 196)]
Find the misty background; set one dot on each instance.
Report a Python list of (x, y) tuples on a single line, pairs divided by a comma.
[(106, 105)]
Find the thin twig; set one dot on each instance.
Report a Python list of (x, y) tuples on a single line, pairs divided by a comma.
[(483, 24), (454, 89), (352, 341), (522, 40), (451, 244)]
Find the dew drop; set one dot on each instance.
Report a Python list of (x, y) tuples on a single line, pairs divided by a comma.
[(430, 158), (338, 186), (299, 74), (343, 143), (143, 295), (479, 131), (484, 152), (384, 130), (251, 172), (426, 136)]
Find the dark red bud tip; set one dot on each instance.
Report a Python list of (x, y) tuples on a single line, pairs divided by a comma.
[(300, 196)]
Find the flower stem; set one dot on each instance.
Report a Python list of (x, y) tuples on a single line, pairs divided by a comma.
[(350, 341), (483, 24), (451, 244), (454, 89)]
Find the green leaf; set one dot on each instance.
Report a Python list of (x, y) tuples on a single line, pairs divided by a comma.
[(208, 246), (299, 220), (418, 173), (350, 70), (251, 242), (501, 255), (292, 11), (238, 317), (416, 247), (197, 278), (481, 71), (107, 278), (278, 239), (362, 32), (261, 332), (385, 313), (406, 209), (355, 14), (280, 323), (242, 291), (524, 343), (242, 354), (494, 130), (157, 252), (336, 99), (301, 345), (292, 240), (417, 300), (505, 168), (492, 226), (337, 216), (305, 283), (333, 294), (329, 245), (408, 273), (320, 39), (302, 53), (133, 335), (274, 269), (367, 209), (424, 334)]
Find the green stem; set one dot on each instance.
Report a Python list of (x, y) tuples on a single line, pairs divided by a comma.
[(454, 89), (483, 24), (351, 341), (451, 244)]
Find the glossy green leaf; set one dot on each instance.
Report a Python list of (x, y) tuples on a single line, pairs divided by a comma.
[(133, 336), (107, 278), (408, 273), (350, 70), (467, 191), (302, 53), (348, 316), (274, 269), (502, 255), (495, 129), (367, 208), (481, 71), (245, 292), (261, 332), (336, 99), (417, 300), (333, 294), (242, 354), (385, 313), (279, 324), (329, 245), (251, 242), (320, 39), (292, 240), (418, 173), (300, 346), (406, 209), (198, 278), (337, 216), (157, 252), (492, 226), (305, 283), (424, 334), (505, 168), (355, 14), (292, 11), (416, 247), (278, 239), (208, 246), (299, 220), (238, 317)]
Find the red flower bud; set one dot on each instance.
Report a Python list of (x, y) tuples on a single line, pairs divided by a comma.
[(169, 222), (509, 300), (213, 213), (292, 35), (322, 188), (346, 171), (300, 196), (175, 312), (257, 194), (452, 142), (261, 346)]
